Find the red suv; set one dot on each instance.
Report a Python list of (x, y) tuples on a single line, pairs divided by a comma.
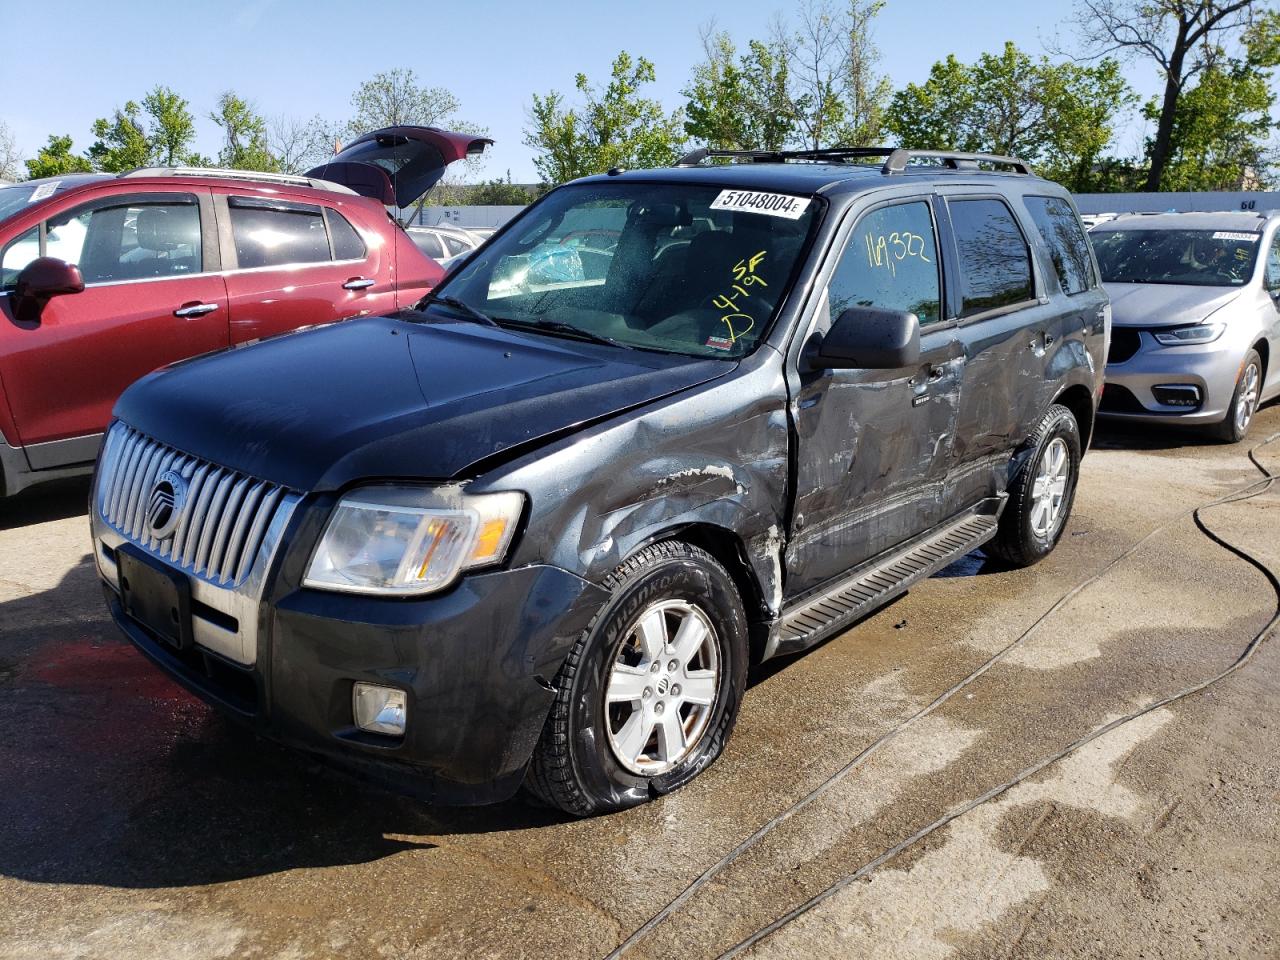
[(104, 278)]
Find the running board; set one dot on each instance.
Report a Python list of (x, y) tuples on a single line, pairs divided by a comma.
[(882, 579)]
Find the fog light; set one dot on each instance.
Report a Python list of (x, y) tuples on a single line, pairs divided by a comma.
[(1177, 394), (378, 709)]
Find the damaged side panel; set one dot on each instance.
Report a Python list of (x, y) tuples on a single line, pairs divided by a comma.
[(716, 461)]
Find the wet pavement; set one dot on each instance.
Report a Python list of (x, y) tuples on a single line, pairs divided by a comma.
[(134, 822)]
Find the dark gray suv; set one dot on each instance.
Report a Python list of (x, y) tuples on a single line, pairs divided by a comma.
[(664, 425)]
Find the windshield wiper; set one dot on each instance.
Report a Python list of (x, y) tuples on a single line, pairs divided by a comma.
[(462, 306), (568, 329)]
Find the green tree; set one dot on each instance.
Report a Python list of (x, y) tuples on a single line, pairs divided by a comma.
[(244, 136), (865, 94), (121, 143), (1223, 124), (615, 126), (1059, 116), (739, 103), (55, 159), (172, 127), (394, 98), (1182, 38), (499, 192)]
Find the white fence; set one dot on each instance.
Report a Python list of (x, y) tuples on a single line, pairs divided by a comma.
[(1253, 201)]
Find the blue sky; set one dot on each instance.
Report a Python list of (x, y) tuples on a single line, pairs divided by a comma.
[(296, 58)]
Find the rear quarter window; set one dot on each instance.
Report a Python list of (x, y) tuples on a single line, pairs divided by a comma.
[(995, 262), (1068, 246)]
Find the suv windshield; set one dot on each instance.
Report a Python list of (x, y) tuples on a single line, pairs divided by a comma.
[(1203, 258), (660, 267)]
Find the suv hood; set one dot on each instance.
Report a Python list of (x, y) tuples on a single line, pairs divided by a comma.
[(397, 165), (386, 398), (1151, 305)]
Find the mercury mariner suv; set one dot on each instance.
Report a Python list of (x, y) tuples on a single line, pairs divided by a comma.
[(665, 424)]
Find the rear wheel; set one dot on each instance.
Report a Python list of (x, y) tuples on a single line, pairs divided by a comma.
[(1244, 402), (650, 693), (1041, 493)]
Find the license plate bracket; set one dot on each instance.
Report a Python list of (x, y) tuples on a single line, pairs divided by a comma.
[(156, 596)]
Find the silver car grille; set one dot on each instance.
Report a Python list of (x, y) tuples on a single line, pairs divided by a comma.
[(224, 519)]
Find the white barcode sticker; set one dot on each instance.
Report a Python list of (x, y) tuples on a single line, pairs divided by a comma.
[(754, 201), (44, 190), (1228, 235)]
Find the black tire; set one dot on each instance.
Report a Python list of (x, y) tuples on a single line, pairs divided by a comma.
[(1018, 543), (1230, 430), (575, 766)]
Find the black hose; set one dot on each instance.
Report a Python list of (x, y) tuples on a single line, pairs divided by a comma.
[(719, 866), (1245, 493)]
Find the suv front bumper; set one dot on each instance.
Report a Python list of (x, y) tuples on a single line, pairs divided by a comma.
[(477, 664)]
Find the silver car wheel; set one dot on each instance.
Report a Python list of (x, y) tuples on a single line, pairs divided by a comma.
[(1049, 488), (1247, 401), (662, 688)]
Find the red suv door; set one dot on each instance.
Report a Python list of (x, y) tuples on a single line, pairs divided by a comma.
[(293, 263), (152, 295)]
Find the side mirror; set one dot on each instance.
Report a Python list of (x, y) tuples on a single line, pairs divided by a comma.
[(41, 280), (869, 338)]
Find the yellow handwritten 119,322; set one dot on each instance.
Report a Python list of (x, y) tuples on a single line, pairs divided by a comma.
[(889, 251)]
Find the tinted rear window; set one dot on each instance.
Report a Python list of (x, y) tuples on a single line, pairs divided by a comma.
[(275, 234), (1068, 247), (995, 265)]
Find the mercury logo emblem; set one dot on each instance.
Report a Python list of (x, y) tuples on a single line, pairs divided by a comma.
[(164, 507)]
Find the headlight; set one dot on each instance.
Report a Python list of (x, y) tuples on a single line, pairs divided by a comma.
[(405, 540), (1180, 336)]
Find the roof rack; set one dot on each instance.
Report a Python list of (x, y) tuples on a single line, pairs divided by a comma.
[(897, 158), (252, 175)]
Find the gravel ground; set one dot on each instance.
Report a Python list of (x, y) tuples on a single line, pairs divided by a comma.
[(136, 823)]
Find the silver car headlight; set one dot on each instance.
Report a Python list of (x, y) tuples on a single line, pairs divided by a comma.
[(1197, 333), (411, 540)]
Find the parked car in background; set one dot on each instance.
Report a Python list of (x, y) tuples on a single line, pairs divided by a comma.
[(536, 532), (1196, 318), (443, 243), (104, 278)]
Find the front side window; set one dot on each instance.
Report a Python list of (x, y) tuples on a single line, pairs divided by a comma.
[(1064, 235), (890, 261), (272, 233), (697, 270), (128, 239), (1200, 258), (1272, 280), (995, 264)]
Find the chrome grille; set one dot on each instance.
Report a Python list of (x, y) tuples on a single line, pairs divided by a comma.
[(224, 519)]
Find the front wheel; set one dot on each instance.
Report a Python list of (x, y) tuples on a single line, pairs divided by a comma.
[(1041, 493), (649, 694), (1244, 402)]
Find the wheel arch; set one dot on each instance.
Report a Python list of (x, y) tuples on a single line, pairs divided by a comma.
[(1264, 351), (730, 552), (1079, 401)]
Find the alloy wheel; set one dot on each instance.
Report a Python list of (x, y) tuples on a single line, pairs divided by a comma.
[(662, 687), (1049, 488), (1247, 401)]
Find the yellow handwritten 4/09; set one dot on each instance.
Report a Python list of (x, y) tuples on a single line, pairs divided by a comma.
[(889, 251)]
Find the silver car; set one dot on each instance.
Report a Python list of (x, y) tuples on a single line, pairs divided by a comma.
[(1195, 310)]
